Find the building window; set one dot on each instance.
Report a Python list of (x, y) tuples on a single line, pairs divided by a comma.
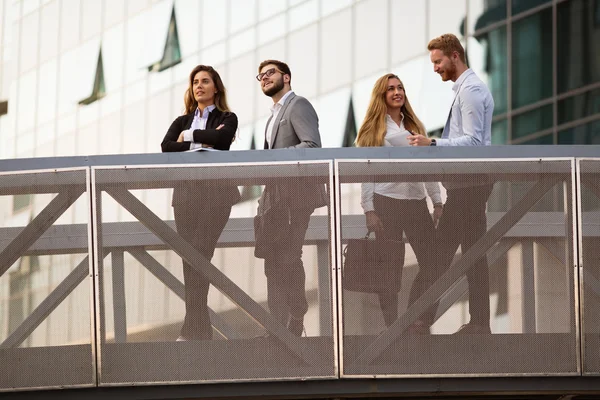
[(3, 107), (21, 202), (350, 131), (172, 53), (99, 89)]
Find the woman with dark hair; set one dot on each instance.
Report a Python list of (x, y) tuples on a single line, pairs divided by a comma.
[(394, 208), (201, 208)]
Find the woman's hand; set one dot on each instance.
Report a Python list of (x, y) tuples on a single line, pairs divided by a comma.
[(374, 224), (180, 138), (438, 210)]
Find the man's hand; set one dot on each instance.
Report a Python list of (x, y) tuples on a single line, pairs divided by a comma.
[(419, 140), (374, 224)]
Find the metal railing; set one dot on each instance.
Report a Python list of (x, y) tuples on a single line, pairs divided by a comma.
[(107, 207)]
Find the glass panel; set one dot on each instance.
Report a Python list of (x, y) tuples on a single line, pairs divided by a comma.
[(46, 293), (241, 87), (532, 59), (578, 60), (583, 134), (242, 14), (143, 313), (332, 110), (519, 293), (116, 12), (546, 139), (487, 57), (268, 8), (523, 5), (532, 121), (579, 106), (331, 6), (113, 57), (407, 40), (47, 95), (483, 13), (28, 86), (213, 22), (304, 14), (303, 58), (29, 41), (444, 19), (500, 132), (271, 29), (371, 37), (187, 15), (335, 52), (49, 36), (69, 23), (135, 69), (242, 42), (91, 19)]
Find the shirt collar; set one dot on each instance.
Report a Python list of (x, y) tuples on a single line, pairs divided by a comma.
[(281, 101), (208, 111), (390, 120), (461, 79)]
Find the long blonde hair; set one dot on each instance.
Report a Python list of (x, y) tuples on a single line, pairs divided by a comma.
[(373, 128)]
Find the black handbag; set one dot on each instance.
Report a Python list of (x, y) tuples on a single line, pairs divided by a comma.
[(271, 230), (373, 265)]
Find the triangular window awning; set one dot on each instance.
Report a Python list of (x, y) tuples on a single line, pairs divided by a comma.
[(171, 54), (350, 129), (99, 88)]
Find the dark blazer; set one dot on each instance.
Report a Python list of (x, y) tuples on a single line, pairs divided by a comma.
[(209, 193)]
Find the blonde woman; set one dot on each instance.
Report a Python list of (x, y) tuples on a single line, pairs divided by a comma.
[(394, 208)]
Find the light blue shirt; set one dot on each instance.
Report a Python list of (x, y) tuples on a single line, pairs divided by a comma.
[(199, 122), (470, 120)]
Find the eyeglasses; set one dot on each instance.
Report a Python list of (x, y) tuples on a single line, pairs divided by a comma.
[(268, 73)]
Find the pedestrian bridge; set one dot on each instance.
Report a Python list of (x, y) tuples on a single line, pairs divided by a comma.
[(91, 286)]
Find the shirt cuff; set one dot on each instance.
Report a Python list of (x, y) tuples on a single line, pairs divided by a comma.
[(442, 142), (188, 135), (194, 146)]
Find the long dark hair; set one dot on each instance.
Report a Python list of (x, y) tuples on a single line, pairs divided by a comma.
[(190, 102)]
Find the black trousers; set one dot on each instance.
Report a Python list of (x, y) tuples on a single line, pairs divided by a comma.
[(462, 224), (200, 227), (412, 218), (286, 293)]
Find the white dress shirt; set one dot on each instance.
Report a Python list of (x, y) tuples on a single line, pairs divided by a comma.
[(275, 108), (199, 122), (470, 120), (398, 190)]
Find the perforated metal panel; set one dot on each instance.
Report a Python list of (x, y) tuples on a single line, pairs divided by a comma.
[(590, 263), (151, 219), (526, 235), (45, 288)]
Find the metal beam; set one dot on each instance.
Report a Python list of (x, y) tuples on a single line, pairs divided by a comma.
[(177, 287), (48, 305), (37, 226), (119, 303)]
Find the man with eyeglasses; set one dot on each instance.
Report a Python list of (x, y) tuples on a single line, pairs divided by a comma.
[(286, 207)]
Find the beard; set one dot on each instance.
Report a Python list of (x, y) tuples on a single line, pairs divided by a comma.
[(275, 88), (449, 73)]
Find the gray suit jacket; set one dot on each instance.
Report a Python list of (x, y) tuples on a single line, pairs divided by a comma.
[(296, 126)]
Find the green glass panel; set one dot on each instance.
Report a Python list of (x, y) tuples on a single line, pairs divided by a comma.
[(532, 122), (532, 59)]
